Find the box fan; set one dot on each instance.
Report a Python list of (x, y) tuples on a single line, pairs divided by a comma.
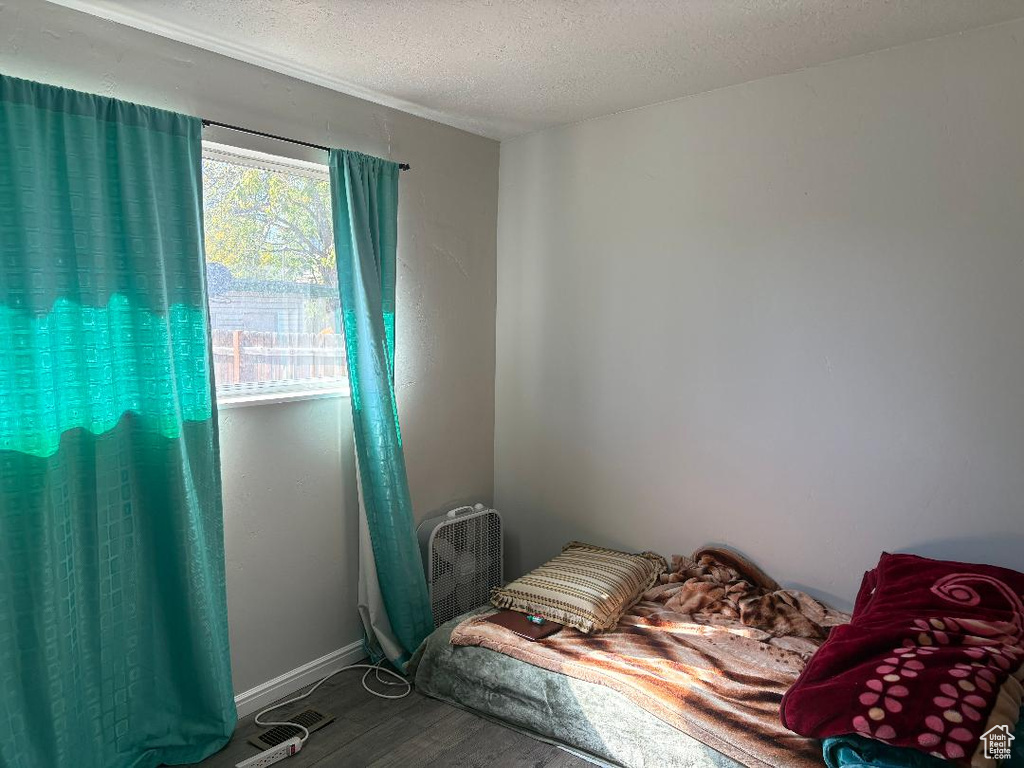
[(463, 558)]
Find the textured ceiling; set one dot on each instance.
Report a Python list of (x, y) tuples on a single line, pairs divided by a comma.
[(506, 67)]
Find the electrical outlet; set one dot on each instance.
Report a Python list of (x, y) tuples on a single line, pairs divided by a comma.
[(272, 755)]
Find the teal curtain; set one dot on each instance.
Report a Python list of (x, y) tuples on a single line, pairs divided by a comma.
[(113, 629), (364, 194)]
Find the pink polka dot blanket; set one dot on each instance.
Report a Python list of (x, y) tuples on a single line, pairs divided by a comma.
[(933, 659)]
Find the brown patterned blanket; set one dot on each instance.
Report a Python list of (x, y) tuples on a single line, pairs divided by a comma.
[(711, 651)]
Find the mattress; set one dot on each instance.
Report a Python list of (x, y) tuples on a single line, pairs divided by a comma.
[(590, 719)]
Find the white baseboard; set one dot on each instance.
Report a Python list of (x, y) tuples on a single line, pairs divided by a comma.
[(267, 693)]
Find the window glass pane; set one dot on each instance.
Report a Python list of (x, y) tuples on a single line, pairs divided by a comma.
[(272, 277)]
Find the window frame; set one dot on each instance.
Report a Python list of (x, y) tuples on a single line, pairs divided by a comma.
[(268, 393)]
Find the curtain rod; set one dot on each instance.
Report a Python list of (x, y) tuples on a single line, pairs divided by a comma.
[(401, 166)]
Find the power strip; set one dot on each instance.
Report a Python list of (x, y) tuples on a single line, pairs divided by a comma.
[(272, 755), (288, 748)]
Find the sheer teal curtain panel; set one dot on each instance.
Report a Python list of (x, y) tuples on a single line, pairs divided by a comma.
[(113, 621), (364, 193)]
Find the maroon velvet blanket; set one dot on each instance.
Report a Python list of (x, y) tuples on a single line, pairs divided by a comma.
[(933, 659)]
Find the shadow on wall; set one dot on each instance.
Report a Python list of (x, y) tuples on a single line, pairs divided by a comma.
[(830, 599), (520, 557), (458, 501), (835, 601), (1005, 549)]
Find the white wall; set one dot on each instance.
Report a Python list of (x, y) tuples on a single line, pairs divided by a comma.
[(787, 316), (288, 476), (290, 535)]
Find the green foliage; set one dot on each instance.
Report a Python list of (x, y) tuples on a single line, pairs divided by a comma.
[(268, 225)]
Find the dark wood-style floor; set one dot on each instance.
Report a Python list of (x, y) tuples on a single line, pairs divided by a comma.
[(403, 733)]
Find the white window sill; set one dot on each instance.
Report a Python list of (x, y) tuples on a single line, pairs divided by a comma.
[(242, 400)]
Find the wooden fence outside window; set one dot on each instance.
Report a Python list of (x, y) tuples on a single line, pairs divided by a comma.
[(253, 357)]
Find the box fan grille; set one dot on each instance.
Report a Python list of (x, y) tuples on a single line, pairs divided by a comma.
[(462, 555)]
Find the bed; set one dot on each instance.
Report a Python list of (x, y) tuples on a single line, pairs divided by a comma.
[(700, 670), (692, 675), (600, 724)]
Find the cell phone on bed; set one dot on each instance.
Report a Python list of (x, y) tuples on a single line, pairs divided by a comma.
[(530, 627)]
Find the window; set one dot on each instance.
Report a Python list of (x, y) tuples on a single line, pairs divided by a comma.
[(271, 276)]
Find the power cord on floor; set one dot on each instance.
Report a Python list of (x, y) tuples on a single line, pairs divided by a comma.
[(375, 668)]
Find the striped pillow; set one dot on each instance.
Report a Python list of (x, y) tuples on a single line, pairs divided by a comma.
[(586, 587)]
